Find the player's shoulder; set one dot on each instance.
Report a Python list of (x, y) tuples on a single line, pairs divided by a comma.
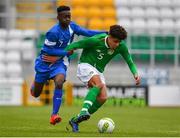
[(54, 29)]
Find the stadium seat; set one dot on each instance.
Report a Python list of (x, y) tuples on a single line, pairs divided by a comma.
[(81, 21), (140, 42), (108, 12), (176, 3), (14, 69), (14, 44), (126, 23), (63, 2), (13, 56), (137, 3), (108, 22), (2, 70), (177, 13), (164, 3), (150, 3), (96, 24), (123, 13), (107, 3), (78, 12), (165, 42), (94, 12), (137, 12), (138, 25), (30, 34), (152, 12), (13, 34), (166, 13), (167, 26), (153, 25), (28, 50), (2, 56), (75, 3), (93, 3), (2, 44), (121, 3), (177, 24), (3, 33)]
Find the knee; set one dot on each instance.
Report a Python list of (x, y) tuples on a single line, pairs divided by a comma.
[(59, 85), (100, 85), (102, 99)]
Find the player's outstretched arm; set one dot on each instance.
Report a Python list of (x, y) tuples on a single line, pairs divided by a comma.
[(132, 66), (86, 32)]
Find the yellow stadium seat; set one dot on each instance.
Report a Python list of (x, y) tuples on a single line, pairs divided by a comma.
[(109, 12), (63, 2), (108, 22), (109, 3), (94, 12), (76, 3), (79, 12), (95, 24), (91, 3), (81, 21)]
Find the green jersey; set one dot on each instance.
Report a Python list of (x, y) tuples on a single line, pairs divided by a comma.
[(97, 53)]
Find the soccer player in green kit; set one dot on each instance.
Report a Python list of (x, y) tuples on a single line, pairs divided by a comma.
[(97, 52)]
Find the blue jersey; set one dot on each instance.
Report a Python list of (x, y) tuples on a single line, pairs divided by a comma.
[(58, 38)]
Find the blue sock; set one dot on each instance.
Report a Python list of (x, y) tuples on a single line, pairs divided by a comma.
[(57, 98)]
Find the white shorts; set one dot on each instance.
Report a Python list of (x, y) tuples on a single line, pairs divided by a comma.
[(86, 71)]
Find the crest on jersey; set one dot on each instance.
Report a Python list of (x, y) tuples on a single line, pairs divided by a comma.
[(110, 51), (98, 50)]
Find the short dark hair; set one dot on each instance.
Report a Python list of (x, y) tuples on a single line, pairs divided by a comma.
[(63, 8), (118, 32)]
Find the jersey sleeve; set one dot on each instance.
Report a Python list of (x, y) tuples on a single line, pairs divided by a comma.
[(127, 57), (51, 40), (82, 44), (85, 32)]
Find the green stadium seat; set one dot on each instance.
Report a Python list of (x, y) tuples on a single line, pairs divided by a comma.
[(164, 58), (164, 42), (141, 57), (140, 42)]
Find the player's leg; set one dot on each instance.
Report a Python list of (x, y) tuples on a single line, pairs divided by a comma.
[(41, 76), (36, 88), (58, 73), (100, 100), (57, 98)]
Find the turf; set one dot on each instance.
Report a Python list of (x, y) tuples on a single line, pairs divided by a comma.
[(129, 121)]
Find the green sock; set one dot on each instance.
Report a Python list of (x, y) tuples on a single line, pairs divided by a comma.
[(96, 105), (90, 99)]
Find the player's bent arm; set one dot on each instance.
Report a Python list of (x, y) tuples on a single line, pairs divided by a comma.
[(85, 43)]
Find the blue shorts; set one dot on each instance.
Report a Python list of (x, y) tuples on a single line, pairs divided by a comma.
[(46, 71)]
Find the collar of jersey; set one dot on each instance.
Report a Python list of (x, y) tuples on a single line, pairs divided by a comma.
[(106, 42)]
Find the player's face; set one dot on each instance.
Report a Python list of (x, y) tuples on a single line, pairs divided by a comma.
[(113, 42), (64, 18)]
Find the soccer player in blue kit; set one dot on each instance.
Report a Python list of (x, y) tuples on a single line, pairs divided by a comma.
[(56, 40)]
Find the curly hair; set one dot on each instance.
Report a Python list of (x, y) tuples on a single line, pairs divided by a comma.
[(118, 32)]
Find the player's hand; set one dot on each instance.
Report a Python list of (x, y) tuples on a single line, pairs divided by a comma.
[(51, 59), (137, 79), (70, 52)]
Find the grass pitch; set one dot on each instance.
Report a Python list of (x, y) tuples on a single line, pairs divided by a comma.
[(129, 121)]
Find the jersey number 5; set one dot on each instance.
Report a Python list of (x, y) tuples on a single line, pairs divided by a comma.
[(100, 56)]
